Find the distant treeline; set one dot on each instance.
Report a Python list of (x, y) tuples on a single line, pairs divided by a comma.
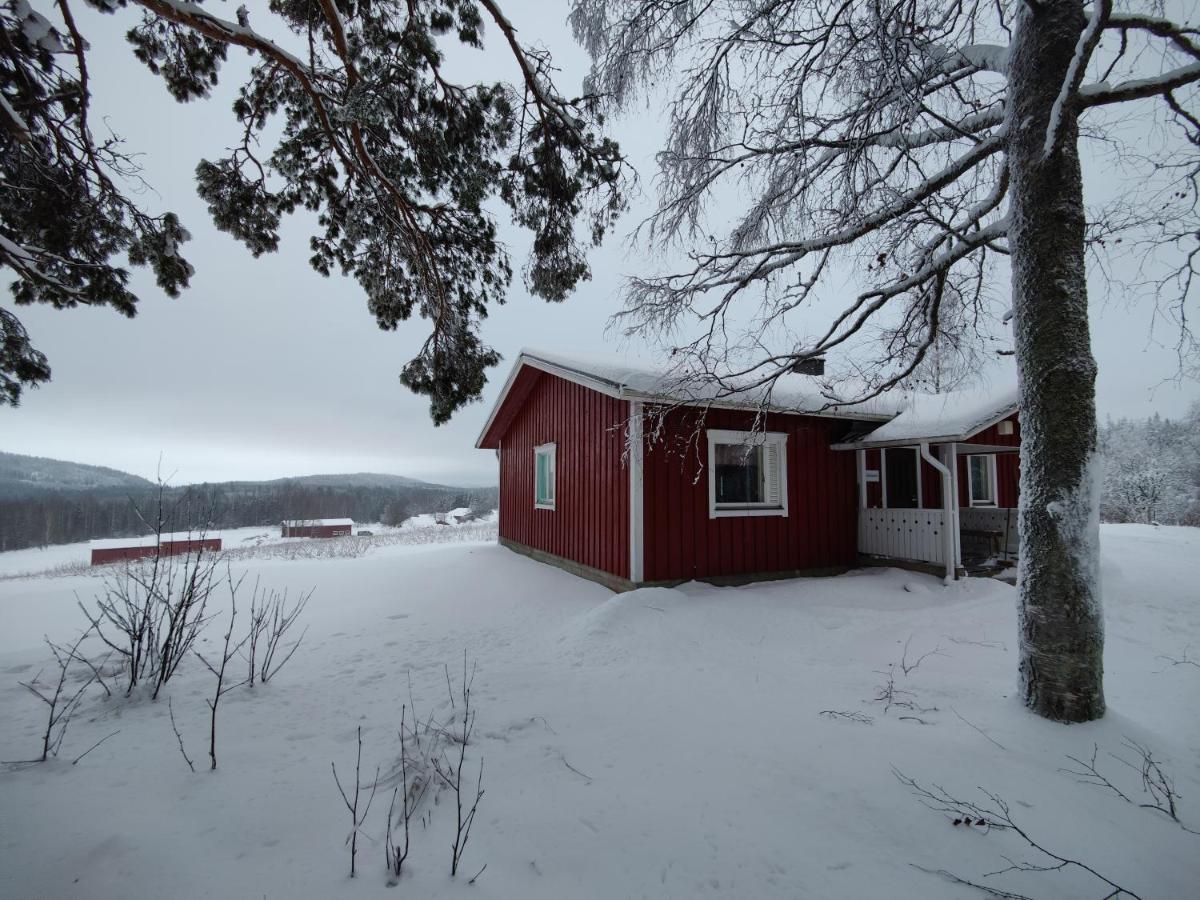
[(65, 517)]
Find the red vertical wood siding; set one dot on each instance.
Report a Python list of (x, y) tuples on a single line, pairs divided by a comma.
[(682, 542), (1008, 471), (104, 555), (590, 522)]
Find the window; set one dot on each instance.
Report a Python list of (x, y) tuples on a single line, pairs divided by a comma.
[(981, 480), (544, 474), (747, 473)]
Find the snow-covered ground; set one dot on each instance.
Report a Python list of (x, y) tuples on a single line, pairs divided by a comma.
[(660, 743), (265, 541)]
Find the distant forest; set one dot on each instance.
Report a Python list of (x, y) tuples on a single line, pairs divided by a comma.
[(67, 515), (1152, 469)]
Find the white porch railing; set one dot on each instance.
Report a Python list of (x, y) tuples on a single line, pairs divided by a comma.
[(913, 534)]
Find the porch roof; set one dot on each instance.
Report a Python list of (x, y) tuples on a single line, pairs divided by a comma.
[(945, 418)]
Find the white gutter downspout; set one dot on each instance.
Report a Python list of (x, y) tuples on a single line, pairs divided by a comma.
[(947, 510)]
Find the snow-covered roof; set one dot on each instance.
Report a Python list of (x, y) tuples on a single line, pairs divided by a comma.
[(635, 379), (149, 540), (303, 523), (952, 416)]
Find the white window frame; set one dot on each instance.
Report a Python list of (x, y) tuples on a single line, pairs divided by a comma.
[(549, 450), (751, 439), (991, 470)]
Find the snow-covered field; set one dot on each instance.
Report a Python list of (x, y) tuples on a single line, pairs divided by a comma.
[(262, 542), (661, 743)]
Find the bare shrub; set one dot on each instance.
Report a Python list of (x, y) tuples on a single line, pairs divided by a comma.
[(61, 701), (352, 806), (450, 771), (847, 716), (396, 853), (151, 612), (271, 619), (996, 816), (228, 651), (179, 737), (1157, 786), (906, 667)]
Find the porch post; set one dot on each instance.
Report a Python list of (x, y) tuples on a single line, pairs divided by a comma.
[(883, 477), (922, 451), (862, 478)]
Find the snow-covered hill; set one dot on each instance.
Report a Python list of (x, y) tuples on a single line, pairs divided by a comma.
[(22, 476), (660, 743)]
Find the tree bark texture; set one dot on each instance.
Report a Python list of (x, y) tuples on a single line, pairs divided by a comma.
[(1060, 616)]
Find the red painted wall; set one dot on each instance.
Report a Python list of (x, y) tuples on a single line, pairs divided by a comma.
[(315, 531), (101, 556), (590, 524), (1008, 472), (682, 542)]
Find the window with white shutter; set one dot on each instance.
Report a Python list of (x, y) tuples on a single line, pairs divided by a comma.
[(747, 473), (544, 475)]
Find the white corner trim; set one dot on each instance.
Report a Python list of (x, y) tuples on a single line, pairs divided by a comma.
[(750, 439), (637, 535)]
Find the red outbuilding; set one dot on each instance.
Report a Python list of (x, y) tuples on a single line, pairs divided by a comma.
[(317, 528), (629, 476), (117, 549)]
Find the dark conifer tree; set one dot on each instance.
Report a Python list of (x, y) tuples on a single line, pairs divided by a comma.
[(398, 161)]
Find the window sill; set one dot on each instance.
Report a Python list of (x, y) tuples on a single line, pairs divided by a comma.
[(546, 506), (732, 512)]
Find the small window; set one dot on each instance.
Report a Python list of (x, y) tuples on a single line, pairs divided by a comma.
[(544, 474), (981, 479), (747, 473)]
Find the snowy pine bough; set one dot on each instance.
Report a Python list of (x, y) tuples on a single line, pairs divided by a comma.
[(348, 112)]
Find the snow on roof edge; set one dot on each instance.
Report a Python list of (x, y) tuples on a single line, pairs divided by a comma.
[(955, 415), (149, 540)]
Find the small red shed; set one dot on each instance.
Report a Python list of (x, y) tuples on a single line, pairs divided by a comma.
[(317, 528), (627, 476), (111, 550)]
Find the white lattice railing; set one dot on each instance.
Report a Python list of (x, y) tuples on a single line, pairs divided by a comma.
[(914, 534)]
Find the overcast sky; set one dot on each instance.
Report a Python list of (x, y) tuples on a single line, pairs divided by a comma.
[(264, 369)]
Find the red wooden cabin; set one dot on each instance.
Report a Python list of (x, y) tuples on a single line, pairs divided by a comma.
[(621, 475), (117, 549), (317, 528)]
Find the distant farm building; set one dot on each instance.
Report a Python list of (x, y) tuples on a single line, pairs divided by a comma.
[(118, 549), (317, 528)]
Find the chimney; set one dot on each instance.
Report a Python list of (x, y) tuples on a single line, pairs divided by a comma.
[(812, 366)]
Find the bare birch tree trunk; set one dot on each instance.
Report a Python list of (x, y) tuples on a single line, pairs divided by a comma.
[(1060, 616)]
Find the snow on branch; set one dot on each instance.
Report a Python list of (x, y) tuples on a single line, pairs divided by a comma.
[(1089, 38), (1102, 93)]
